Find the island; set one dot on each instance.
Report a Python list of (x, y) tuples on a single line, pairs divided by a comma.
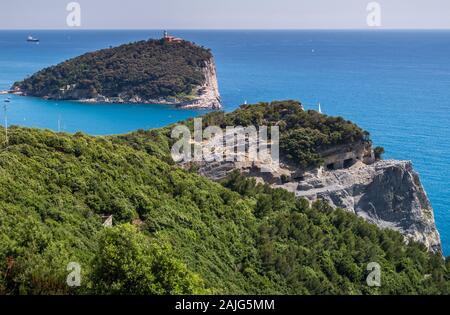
[(169, 70)]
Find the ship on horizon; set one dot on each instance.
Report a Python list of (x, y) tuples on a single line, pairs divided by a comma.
[(32, 39)]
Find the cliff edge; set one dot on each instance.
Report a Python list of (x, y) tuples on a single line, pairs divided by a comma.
[(207, 95), (386, 193)]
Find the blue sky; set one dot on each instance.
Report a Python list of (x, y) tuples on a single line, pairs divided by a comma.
[(224, 14)]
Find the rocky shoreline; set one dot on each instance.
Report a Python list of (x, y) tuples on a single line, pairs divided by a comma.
[(202, 102)]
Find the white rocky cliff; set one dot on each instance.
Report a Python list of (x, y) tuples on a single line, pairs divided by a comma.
[(207, 95), (386, 193)]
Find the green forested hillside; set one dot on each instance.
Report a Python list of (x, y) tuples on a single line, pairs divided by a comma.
[(148, 69), (176, 232)]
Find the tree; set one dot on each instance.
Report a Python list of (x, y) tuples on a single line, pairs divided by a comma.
[(378, 151), (128, 262)]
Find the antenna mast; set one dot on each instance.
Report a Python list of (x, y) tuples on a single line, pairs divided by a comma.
[(5, 108)]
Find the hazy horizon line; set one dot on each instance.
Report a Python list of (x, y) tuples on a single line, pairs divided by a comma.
[(226, 29)]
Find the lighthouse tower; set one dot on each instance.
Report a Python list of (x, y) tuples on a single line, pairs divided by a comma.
[(171, 39)]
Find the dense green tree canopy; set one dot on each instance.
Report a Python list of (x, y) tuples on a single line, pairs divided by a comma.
[(127, 262), (177, 232)]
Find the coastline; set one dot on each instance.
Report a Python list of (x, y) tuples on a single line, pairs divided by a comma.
[(394, 126)]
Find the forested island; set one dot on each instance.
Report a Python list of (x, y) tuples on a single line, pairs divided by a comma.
[(177, 232), (152, 72)]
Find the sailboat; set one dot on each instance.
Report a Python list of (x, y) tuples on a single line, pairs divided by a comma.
[(320, 109)]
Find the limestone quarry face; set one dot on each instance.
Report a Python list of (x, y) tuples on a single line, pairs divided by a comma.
[(388, 194)]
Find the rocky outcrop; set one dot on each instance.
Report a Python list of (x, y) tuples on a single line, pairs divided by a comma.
[(386, 193)]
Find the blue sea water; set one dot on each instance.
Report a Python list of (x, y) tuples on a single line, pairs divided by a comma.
[(396, 84)]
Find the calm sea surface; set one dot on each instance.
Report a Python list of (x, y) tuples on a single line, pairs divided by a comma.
[(394, 84)]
